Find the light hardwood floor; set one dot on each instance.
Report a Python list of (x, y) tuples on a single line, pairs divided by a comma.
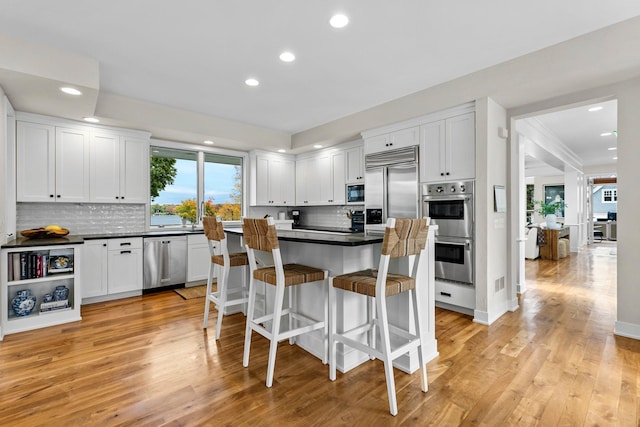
[(146, 361)]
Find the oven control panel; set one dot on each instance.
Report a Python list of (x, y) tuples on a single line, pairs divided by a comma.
[(447, 188)]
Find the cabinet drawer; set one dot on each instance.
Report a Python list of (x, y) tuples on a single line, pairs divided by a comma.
[(130, 243), (460, 295)]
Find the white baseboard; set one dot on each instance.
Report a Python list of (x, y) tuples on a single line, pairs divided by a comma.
[(629, 330)]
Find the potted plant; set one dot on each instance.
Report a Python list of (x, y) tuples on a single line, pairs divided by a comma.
[(549, 211)]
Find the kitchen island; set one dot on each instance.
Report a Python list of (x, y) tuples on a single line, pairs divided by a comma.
[(342, 253)]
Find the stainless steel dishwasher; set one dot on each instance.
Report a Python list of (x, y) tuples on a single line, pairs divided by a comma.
[(165, 262)]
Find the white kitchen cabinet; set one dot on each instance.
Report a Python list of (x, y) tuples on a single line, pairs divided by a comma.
[(447, 149), (119, 169), (40, 270), (392, 141), (275, 179), (320, 179), (52, 163), (198, 258), (114, 269), (355, 165)]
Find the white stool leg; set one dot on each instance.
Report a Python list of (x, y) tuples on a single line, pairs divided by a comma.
[(250, 317), (222, 297), (422, 357), (332, 330), (325, 330), (207, 297), (386, 350), (275, 333)]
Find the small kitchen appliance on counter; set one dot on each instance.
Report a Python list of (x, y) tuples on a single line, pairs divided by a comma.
[(295, 216), (357, 221)]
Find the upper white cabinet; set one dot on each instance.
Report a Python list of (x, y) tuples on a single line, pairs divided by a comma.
[(393, 140), (274, 180), (447, 149), (355, 165), (119, 169), (52, 163), (320, 179)]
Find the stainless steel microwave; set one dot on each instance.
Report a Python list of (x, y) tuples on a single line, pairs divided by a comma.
[(355, 193)]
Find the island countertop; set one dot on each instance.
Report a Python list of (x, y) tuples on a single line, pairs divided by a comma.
[(320, 237)]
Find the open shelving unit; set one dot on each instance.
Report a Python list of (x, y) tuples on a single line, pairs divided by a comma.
[(39, 269)]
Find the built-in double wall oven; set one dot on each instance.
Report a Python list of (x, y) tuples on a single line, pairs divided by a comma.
[(450, 206)]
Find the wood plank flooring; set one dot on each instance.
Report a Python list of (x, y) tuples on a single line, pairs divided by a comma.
[(146, 361)]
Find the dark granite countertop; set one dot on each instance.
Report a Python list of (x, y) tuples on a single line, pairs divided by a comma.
[(320, 237)]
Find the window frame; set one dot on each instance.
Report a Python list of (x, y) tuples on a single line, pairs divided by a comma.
[(614, 195), (201, 150)]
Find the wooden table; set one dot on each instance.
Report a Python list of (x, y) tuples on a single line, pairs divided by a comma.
[(550, 250)]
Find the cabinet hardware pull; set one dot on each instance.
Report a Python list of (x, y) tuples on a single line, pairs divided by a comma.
[(58, 196), (125, 252), (117, 197), (50, 195), (446, 294), (125, 244)]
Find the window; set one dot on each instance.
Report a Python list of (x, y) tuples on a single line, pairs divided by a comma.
[(609, 195), (187, 184)]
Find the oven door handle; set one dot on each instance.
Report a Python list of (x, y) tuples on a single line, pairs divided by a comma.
[(446, 198), (467, 245)]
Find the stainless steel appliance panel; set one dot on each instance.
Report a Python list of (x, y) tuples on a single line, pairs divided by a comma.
[(451, 207), (165, 261), (391, 185), (454, 259), (402, 191)]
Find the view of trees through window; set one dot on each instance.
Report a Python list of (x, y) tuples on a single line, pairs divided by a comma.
[(175, 175)]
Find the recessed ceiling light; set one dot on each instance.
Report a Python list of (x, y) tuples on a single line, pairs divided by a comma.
[(208, 142), (612, 148), (598, 108), (91, 119), (287, 57), (615, 158), (605, 134), (252, 82), (71, 91), (282, 150), (317, 146), (339, 21)]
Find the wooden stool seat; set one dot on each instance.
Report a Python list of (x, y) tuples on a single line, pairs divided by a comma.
[(236, 259), (364, 282), (294, 274)]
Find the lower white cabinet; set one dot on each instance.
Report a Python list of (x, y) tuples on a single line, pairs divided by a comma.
[(198, 257), (456, 294), (39, 287), (113, 266)]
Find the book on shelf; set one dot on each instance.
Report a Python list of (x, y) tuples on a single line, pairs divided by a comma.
[(28, 265), (46, 307)]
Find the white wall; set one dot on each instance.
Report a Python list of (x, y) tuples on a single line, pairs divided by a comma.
[(3, 184), (491, 226)]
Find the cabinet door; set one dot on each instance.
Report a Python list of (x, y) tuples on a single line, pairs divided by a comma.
[(320, 184), (105, 168), (461, 141), (125, 270), (355, 165), (303, 177), (134, 170), (72, 165), (404, 138), (94, 271), (282, 177), (432, 151), (262, 181), (36, 159), (376, 144), (198, 258), (338, 180)]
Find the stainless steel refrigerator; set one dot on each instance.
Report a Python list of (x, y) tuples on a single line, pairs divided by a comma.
[(391, 186)]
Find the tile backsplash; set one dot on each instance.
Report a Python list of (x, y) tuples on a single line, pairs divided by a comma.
[(83, 218), (321, 216)]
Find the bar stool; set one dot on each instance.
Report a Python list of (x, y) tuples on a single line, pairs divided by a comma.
[(261, 235), (221, 258), (402, 237)]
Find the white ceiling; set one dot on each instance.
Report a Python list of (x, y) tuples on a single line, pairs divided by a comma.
[(195, 55), (580, 130)]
